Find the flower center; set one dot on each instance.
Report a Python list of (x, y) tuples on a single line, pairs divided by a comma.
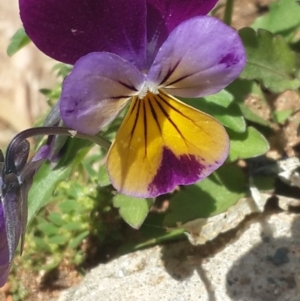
[(147, 87)]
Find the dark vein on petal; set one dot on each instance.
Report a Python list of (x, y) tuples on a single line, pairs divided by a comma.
[(130, 87), (154, 116), (120, 97), (178, 80), (134, 105), (168, 117), (135, 121), (145, 126), (169, 73), (169, 105), (172, 107)]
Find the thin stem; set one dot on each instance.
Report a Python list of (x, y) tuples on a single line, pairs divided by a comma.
[(49, 131), (228, 12)]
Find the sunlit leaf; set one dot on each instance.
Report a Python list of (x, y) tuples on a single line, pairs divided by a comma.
[(247, 145), (269, 60), (283, 15), (282, 116)]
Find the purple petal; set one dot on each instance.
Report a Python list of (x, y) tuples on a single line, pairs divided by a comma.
[(174, 171), (164, 15), (200, 57), (97, 89), (4, 252), (43, 153), (69, 29)]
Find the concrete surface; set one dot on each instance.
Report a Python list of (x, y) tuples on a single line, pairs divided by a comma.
[(262, 264)]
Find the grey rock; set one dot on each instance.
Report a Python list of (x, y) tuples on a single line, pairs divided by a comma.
[(241, 270)]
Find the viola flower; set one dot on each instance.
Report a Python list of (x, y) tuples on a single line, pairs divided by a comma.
[(144, 53), (16, 176)]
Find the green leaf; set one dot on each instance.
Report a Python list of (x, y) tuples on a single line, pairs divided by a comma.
[(43, 186), (18, 41), (283, 16), (251, 116), (58, 239), (48, 229), (56, 218), (41, 244), (241, 89), (282, 116), (103, 177), (68, 206), (269, 60), (223, 98), (209, 197), (76, 241), (72, 226), (132, 210), (222, 107), (247, 145)]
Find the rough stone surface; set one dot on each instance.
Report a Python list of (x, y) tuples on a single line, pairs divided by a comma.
[(262, 264)]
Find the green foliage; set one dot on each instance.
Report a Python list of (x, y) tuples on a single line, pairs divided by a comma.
[(132, 210), (209, 197), (17, 42), (283, 17), (282, 116), (73, 201), (269, 60), (44, 184), (247, 145)]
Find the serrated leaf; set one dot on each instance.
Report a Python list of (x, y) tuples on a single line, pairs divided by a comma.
[(222, 107), (209, 197), (132, 210), (247, 145), (283, 15), (17, 42), (269, 60), (43, 186)]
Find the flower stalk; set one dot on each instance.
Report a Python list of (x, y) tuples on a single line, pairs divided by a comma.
[(228, 12)]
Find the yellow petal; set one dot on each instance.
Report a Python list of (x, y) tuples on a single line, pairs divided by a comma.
[(163, 143)]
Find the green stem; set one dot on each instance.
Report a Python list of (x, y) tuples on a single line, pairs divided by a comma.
[(228, 12)]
